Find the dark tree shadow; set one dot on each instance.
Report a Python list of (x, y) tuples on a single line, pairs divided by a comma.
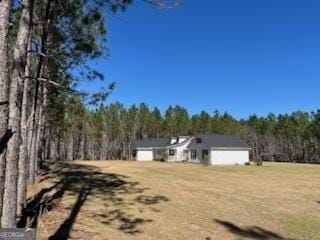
[(82, 181), (253, 232), (5, 139), (127, 224), (150, 200)]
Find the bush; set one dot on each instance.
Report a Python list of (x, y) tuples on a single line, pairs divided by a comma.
[(258, 162), (206, 160)]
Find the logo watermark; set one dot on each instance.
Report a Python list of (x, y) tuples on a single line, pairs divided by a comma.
[(17, 234)]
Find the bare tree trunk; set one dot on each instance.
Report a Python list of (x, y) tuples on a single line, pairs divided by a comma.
[(70, 147), (5, 7), (29, 133), (23, 154), (38, 145), (47, 137), (53, 149), (8, 218), (33, 139), (40, 135), (33, 154), (82, 145)]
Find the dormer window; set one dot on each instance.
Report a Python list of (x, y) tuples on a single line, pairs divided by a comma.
[(173, 140), (198, 140)]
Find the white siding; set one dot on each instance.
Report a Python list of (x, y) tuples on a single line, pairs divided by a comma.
[(179, 156), (229, 157), (180, 152), (144, 155)]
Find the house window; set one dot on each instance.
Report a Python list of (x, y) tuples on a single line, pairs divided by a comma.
[(193, 154), (198, 140), (172, 152)]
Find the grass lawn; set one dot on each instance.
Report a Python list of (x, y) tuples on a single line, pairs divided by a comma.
[(132, 200)]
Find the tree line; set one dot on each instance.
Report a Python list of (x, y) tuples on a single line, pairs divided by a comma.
[(108, 132)]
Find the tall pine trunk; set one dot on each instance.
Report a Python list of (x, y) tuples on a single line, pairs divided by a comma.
[(40, 130), (23, 154), (5, 6), (35, 118), (9, 213), (33, 138)]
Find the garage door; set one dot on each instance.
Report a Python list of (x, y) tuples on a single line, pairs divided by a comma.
[(144, 155), (229, 157)]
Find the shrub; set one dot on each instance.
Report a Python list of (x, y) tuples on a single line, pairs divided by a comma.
[(206, 160), (258, 162)]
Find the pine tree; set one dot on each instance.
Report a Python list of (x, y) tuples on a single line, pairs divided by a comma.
[(8, 218), (5, 8)]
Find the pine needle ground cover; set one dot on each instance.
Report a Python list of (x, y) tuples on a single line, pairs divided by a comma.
[(133, 200)]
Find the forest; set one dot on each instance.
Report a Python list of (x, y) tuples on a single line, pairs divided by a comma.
[(108, 131), (45, 46)]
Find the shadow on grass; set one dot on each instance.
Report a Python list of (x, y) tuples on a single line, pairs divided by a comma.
[(150, 200), (83, 182), (253, 232)]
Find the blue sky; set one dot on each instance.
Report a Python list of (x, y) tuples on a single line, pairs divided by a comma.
[(240, 56)]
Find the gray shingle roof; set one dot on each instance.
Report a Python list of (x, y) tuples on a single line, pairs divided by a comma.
[(217, 140), (207, 141), (155, 142)]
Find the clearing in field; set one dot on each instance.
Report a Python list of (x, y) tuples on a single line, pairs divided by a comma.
[(131, 200)]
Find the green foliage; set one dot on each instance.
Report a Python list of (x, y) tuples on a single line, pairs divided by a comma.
[(258, 161), (176, 121), (293, 137), (206, 160), (76, 34)]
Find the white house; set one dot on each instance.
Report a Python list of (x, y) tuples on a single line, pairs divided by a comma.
[(213, 149)]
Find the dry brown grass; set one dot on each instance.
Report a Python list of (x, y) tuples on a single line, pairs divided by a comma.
[(132, 200)]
